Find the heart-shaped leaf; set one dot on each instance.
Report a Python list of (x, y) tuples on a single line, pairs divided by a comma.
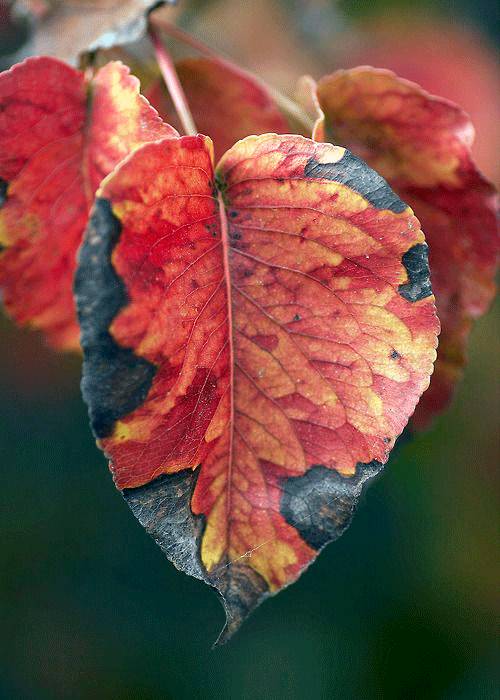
[(255, 338), (59, 136), (227, 103), (421, 145)]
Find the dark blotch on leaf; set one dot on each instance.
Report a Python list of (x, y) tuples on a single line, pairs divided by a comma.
[(115, 381), (356, 174), (163, 507), (220, 186), (416, 264), (242, 589), (320, 503), (3, 191)]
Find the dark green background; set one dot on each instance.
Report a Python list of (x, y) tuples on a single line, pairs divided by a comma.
[(403, 606)]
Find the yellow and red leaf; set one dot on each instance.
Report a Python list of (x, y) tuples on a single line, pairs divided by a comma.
[(421, 145), (60, 134), (255, 338), (227, 103)]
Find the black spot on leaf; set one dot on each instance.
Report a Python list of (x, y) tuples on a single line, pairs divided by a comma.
[(3, 191), (416, 262), (163, 507), (356, 174), (115, 381), (320, 503), (242, 589)]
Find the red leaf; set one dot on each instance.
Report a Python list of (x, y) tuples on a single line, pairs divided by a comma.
[(226, 102), (421, 145), (254, 339), (459, 65), (59, 136)]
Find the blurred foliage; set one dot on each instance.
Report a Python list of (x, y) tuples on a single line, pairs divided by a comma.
[(402, 606)]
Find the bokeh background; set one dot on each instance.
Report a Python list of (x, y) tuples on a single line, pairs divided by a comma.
[(403, 606)]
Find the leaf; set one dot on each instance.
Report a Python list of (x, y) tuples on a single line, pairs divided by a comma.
[(70, 28), (227, 103), (459, 66), (254, 340), (59, 136), (306, 96), (421, 145)]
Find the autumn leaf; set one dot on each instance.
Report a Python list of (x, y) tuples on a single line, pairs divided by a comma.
[(227, 103), (421, 145), (60, 134), (459, 65), (307, 96), (255, 337), (67, 29)]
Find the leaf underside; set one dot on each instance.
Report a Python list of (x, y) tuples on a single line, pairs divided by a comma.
[(68, 29)]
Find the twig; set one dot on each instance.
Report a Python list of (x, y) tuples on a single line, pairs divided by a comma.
[(173, 84)]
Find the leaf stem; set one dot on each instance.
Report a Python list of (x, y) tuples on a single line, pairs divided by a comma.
[(286, 104), (173, 84)]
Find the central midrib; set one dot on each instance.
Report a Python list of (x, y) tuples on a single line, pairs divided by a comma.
[(227, 278)]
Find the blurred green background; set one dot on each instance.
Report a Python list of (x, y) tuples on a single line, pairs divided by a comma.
[(403, 606)]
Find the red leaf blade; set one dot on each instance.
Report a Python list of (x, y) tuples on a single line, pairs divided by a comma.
[(275, 321), (55, 148)]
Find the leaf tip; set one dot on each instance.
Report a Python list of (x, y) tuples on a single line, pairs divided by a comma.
[(241, 590)]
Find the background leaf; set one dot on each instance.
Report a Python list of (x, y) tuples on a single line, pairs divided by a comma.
[(227, 103), (421, 145), (59, 136), (461, 65), (66, 29)]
